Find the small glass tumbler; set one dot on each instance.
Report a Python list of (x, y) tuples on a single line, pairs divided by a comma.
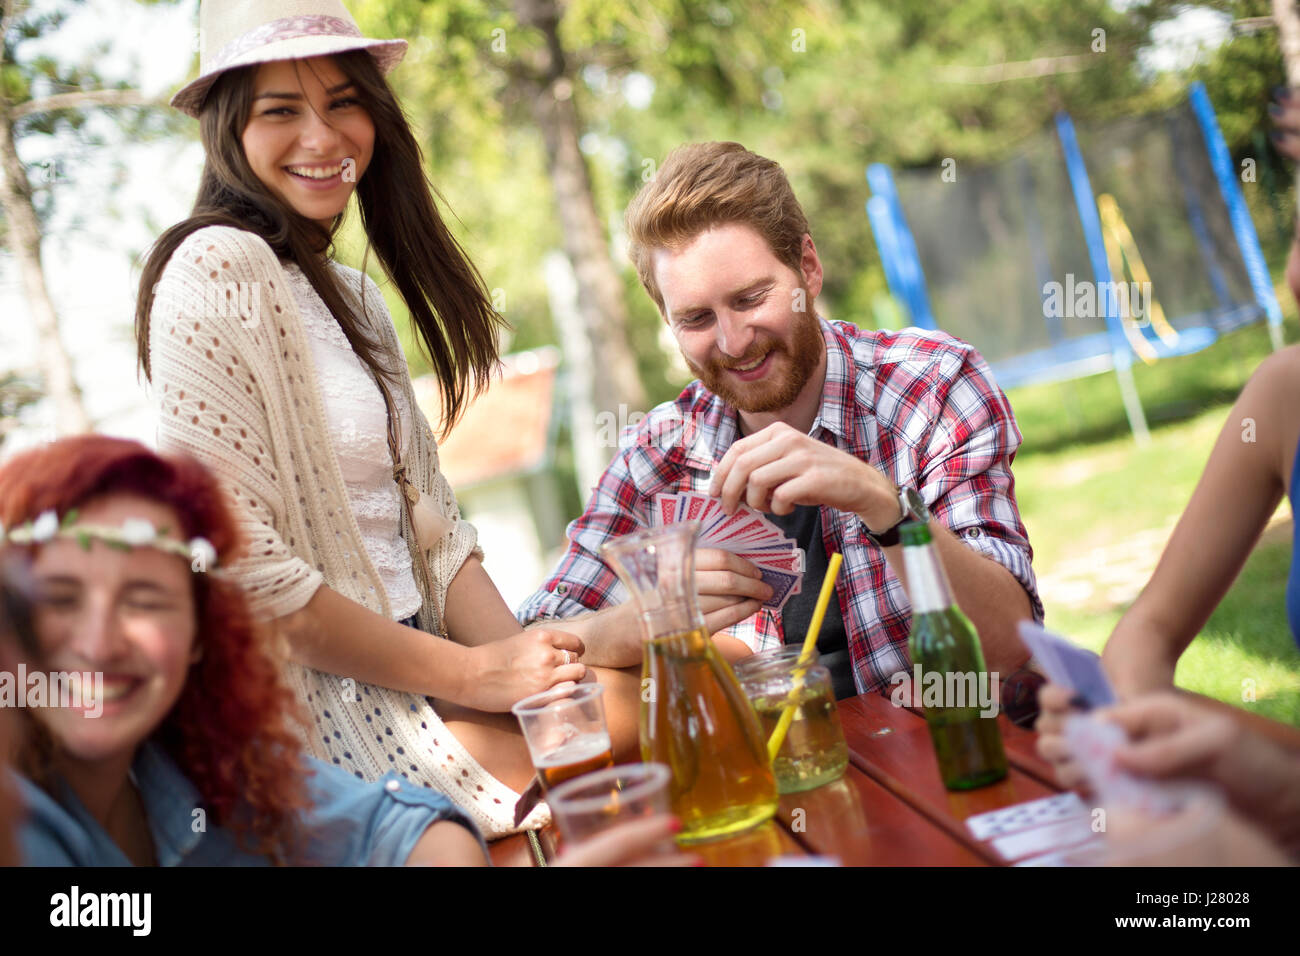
[(591, 804), (566, 736), (814, 751)]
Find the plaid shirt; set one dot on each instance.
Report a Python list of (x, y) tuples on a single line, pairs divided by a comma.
[(920, 406)]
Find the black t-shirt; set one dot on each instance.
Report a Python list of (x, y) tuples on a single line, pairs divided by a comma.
[(804, 526)]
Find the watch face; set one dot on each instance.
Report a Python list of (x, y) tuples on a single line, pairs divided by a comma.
[(915, 505)]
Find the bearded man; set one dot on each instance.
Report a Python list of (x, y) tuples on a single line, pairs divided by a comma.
[(838, 433)]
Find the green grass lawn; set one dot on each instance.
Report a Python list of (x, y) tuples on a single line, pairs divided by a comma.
[(1093, 502)]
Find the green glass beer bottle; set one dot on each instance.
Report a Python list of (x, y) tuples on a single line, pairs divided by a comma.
[(944, 645)]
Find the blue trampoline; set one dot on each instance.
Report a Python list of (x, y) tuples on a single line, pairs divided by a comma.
[(1083, 253)]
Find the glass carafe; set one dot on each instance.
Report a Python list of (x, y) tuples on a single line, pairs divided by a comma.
[(694, 716)]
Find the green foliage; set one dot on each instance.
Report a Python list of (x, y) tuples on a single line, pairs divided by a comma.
[(17, 391), (823, 86), (84, 139)]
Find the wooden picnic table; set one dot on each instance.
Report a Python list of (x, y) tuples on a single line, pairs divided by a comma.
[(889, 809)]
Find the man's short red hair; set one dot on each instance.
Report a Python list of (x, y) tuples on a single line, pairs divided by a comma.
[(702, 185)]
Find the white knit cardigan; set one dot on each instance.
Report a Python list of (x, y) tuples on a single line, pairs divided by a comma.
[(236, 388)]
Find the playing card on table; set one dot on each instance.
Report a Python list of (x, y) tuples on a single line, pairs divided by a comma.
[(746, 533), (1086, 853), (1024, 816), (1046, 839), (1035, 827)]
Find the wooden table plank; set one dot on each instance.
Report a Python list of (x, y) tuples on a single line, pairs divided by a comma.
[(754, 848), (1284, 735), (757, 847), (892, 746), (863, 824)]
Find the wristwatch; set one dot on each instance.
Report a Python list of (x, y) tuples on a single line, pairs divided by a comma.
[(913, 509), (1020, 694)]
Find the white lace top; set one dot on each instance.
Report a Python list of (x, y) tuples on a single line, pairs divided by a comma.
[(358, 429)]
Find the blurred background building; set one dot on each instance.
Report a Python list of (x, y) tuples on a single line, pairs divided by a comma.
[(500, 460)]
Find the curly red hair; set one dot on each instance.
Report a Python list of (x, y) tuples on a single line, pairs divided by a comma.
[(230, 731)]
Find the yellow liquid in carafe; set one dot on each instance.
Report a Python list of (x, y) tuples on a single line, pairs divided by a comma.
[(696, 720)]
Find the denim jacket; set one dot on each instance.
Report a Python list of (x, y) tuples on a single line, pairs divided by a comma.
[(351, 823)]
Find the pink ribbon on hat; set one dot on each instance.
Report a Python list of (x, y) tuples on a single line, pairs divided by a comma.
[(287, 28)]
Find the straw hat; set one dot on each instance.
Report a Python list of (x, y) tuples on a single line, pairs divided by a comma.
[(234, 33)]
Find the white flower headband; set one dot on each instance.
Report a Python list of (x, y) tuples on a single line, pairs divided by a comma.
[(133, 533)]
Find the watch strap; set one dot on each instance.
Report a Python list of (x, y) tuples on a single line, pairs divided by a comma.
[(886, 539), (891, 537)]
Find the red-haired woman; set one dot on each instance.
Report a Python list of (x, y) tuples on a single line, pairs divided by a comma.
[(187, 753)]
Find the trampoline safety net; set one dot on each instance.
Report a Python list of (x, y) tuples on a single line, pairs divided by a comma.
[(1006, 264)]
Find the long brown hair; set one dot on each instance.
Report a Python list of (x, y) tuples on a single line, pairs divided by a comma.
[(447, 297)]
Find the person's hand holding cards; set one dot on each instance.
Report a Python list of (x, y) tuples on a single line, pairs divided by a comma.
[(1053, 709), (731, 588), (740, 558), (1077, 683), (1173, 737)]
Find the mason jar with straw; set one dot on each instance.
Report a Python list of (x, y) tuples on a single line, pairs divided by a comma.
[(814, 751), (802, 690)]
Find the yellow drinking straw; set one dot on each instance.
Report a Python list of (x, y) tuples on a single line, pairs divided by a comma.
[(809, 642)]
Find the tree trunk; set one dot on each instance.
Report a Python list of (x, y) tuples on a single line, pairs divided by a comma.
[(1287, 21), (25, 240), (549, 88)]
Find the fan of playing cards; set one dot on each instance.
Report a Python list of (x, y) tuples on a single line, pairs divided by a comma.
[(747, 533)]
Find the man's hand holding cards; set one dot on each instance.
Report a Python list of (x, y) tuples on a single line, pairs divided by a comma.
[(747, 534)]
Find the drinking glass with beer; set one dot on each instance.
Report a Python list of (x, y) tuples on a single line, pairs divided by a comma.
[(566, 736)]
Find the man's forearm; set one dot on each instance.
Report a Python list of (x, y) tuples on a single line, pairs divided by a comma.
[(613, 637), (986, 592), (599, 631)]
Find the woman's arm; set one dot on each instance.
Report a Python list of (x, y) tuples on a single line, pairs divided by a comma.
[(476, 613), (334, 634), (447, 844), (1239, 490), (210, 377), (388, 822)]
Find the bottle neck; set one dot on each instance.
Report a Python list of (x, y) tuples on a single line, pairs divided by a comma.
[(927, 585)]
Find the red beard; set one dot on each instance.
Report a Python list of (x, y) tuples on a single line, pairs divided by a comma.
[(780, 386)]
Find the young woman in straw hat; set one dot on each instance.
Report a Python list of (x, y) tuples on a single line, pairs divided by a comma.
[(280, 368)]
